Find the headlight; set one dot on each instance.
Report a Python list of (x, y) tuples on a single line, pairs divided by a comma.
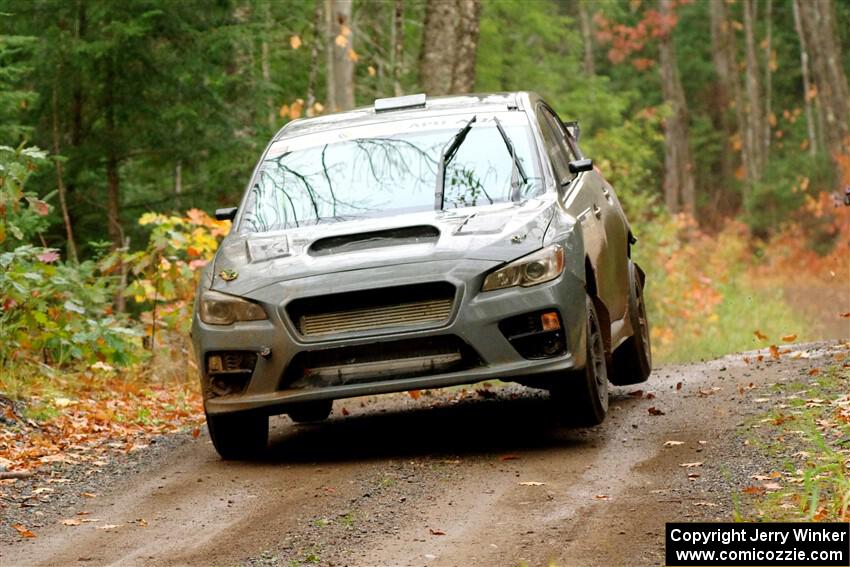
[(220, 309), (542, 266)]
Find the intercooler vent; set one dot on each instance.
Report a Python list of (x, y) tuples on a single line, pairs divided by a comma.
[(424, 234), (381, 309), (379, 361)]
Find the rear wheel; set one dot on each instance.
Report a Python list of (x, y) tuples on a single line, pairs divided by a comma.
[(238, 435), (633, 359), (582, 397), (311, 411)]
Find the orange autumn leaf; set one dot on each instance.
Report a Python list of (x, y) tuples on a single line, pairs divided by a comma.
[(814, 371), (295, 42), (789, 338), (759, 335), (23, 531), (774, 352), (414, 394)]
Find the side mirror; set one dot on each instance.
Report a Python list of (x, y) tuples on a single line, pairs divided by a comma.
[(230, 212), (579, 165)]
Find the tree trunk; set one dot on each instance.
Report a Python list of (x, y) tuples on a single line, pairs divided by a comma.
[(817, 21), (468, 29), (807, 83), (438, 46), (398, 47), (679, 188), (768, 82), (70, 246), (586, 24), (340, 73), (449, 46), (113, 181), (754, 129), (314, 60), (727, 90)]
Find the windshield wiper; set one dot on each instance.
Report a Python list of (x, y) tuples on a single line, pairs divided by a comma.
[(445, 157), (517, 165)]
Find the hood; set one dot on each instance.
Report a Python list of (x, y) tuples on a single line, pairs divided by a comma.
[(499, 233)]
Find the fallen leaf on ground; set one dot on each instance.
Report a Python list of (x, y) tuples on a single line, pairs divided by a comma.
[(789, 338), (345, 411), (846, 315), (531, 483), (414, 394), (23, 531), (655, 411), (602, 497), (89, 495), (754, 490), (678, 386), (509, 457), (436, 532), (673, 443), (759, 335), (650, 396), (693, 476), (72, 522), (774, 351), (196, 432), (636, 393), (108, 526), (814, 371), (691, 465), (772, 486)]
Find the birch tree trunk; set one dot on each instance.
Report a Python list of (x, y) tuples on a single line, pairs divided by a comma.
[(807, 82), (679, 188), (817, 22)]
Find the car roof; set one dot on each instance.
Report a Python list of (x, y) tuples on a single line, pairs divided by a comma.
[(433, 105)]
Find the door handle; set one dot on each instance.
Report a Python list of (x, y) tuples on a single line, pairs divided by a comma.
[(597, 211)]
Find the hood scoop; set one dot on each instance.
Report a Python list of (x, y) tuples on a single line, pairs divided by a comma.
[(423, 234)]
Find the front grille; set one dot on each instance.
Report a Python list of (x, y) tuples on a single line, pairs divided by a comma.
[(379, 361), (373, 310)]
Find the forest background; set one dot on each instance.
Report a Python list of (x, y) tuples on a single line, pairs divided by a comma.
[(724, 126)]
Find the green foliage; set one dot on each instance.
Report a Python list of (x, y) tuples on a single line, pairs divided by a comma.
[(60, 313), (18, 221)]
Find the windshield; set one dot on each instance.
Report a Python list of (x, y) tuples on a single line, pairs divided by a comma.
[(386, 169)]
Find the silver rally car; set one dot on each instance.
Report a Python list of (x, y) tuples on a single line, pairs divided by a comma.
[(415, 244)]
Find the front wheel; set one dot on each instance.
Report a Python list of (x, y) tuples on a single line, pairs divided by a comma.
[(238, 435), (582, 397)]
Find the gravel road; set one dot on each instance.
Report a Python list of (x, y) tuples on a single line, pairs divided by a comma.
[(481, 476)]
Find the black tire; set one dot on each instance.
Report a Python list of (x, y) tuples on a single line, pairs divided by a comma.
[(633, 359), (311, 411), (582, 397), (239, 435)]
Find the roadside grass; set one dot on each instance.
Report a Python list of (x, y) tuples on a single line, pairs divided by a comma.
[(807, 436), (744, 309)]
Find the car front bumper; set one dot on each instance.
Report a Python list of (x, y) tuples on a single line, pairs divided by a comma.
[(474, 319)]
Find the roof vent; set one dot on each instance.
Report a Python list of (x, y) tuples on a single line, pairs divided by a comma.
[(400, 102)]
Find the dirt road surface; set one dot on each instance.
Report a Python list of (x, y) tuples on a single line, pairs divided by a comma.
[(474, 477)]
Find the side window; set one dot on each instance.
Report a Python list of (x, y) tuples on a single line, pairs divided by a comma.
[(556, 144)]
